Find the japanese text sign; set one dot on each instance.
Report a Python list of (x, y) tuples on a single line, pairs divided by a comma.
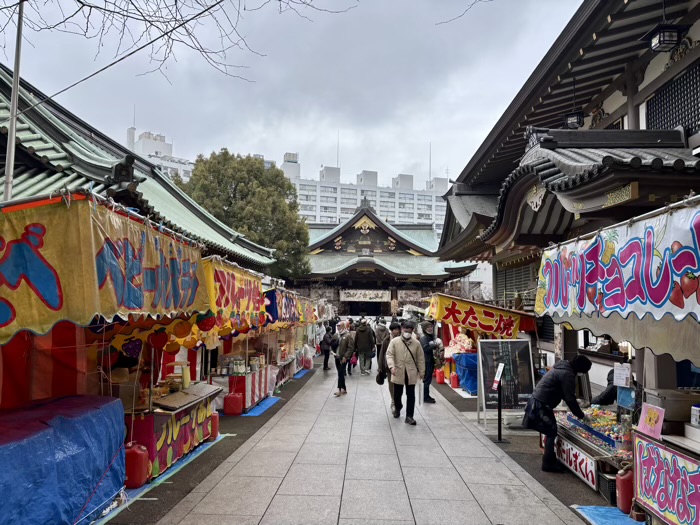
[(61, 262), (475, 316), (666, 482), (576, 460), (233, 291)]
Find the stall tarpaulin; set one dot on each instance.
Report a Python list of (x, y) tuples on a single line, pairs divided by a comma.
[(282, 309), (636, 281), (482, 318), (234, 293), (71, 262)]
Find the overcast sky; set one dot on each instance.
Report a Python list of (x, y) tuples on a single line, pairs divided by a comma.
[(384, 74)]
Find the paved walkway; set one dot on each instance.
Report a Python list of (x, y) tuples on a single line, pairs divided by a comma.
[(326, 460)]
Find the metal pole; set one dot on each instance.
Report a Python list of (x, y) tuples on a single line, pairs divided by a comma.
[(500, 410), (12, 129)]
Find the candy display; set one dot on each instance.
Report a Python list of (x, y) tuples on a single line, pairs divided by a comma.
[(612, 438)]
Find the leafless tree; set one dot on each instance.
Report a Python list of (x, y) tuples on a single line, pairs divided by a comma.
[(469, 6), (211, 28)]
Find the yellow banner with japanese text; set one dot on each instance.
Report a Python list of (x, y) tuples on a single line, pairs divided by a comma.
[(60, 262), (475, 316)]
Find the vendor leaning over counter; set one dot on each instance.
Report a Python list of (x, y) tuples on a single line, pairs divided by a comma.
[(557, 384)]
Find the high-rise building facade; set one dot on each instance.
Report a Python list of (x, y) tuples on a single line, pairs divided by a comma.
[(328, 200), (156, 149)]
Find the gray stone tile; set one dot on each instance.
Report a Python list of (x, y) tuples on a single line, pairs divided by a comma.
[(182, 509), (442, 483), (225, 519), (309, 510), (365, 429), (313, 480), (520, 515), (519, 496), (280, 442), (407, 437), (264, 464), (328, 435), (372, 444), (469, 448), (435, 512), (374, 522), (294, 427), (476, 471), (239, 496), (455, 430), (379, 467), (214, 477), (375, 500), (422, 456), (323, 454)]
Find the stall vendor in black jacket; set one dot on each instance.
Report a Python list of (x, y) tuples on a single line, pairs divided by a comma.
[(557, 384)]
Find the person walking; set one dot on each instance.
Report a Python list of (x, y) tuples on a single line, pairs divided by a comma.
[(405, 359), (381, 333), (557, 384), (429, 344), (351, 344), (326, 348), (364, 345), (393, 331), (341, 356)]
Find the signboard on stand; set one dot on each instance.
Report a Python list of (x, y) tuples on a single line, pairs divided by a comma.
[(514, 358), (666, 482)]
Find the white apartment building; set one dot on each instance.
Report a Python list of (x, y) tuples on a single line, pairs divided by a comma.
[(328, 200), (154, 147)]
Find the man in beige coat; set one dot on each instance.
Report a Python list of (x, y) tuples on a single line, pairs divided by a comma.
[(405, 359)]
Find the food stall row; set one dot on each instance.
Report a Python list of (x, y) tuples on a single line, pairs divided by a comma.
[(636, 282), (108, 323)]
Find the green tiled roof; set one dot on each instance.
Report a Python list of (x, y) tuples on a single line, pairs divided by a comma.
[(74, 156), (395, 263)]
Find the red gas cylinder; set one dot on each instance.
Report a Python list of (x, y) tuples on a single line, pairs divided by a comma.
[(440, 376), (454, 380), (136, 465), (624, 488), (233, 404), (214, 426)]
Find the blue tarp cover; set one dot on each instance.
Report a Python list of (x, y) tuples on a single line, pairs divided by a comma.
[(59, 459), (604, 516), (467, 371)]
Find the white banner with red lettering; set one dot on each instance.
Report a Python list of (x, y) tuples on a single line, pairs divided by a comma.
[(636, 282)]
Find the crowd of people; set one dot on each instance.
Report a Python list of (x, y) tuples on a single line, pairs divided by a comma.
[(404, 356)]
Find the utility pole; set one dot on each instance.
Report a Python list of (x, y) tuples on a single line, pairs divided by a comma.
[(12, 128)]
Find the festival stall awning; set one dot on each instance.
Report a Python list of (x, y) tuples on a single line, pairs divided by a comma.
[(487, 319), (636, 281), (77, 259), (285, 309)]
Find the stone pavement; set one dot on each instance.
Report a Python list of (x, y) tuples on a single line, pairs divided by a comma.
[(325, 460)]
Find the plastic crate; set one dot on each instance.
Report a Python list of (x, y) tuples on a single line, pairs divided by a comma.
[(607, 486)]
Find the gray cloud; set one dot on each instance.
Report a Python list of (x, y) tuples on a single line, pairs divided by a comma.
[(384, 74)]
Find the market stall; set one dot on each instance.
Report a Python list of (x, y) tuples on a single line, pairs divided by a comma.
[(464, 324), (637, 282)]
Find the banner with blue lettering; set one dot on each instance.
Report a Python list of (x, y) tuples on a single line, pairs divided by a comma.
[(60, 262), (637, 282)]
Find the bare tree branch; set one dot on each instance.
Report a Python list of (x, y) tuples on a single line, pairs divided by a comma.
[(471, 4)]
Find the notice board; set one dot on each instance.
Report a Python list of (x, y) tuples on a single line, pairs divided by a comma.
[(517, 381)]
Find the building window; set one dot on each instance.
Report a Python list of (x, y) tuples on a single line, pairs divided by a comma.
[(307, 198), (370, 194), (677, 104), (307, 187), (387, 194), (406, 197), (332, 200), (347, 211), (404, 215), (441, 208), (345, 200), (328, 219), (425, 217), (425, 198), (329, 189), (387, 204), (405, 205), (424, 207), (348, 191), (373, 204), (329, 209), (309, 218), (307, 207)]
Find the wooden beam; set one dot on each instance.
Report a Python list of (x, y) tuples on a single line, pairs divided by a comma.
[(539, 240), (564, 103), (567, 80), (602, 59), (654, 10), (623, 44), (547, 99), (638, 28)]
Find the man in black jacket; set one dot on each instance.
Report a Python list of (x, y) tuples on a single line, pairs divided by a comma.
[(428, 342), (557, 384), (326, 348), (364, 345)]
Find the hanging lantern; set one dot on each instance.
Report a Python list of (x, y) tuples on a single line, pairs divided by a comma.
[(665, 37)]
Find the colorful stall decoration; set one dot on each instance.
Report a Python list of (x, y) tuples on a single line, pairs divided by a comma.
[(479, 317), (282, 309), (615, 280), (667, 482), (60, 262), (235, 296)]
